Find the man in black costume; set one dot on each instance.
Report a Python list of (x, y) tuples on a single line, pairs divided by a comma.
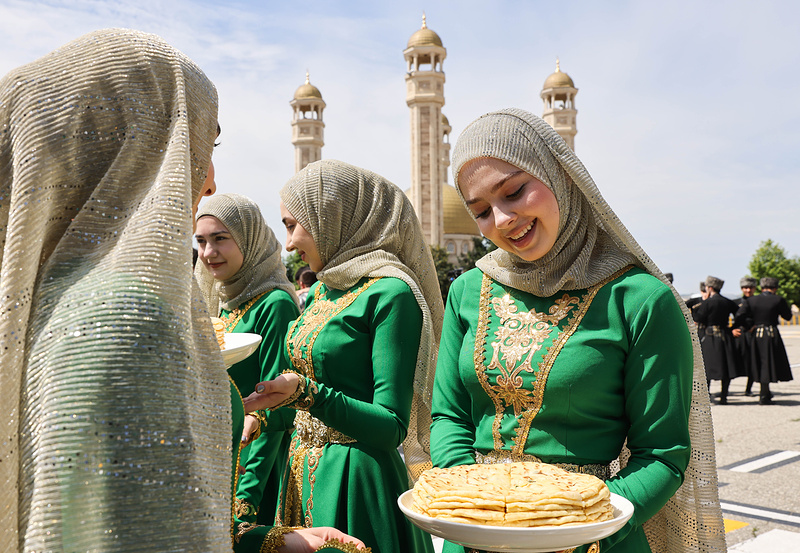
[(716, 341), (769, 358)]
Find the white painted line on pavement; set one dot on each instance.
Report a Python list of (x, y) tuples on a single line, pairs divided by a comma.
[(764, 462), (760, 513)]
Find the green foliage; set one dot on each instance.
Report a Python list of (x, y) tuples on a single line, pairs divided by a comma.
[(481, 246), (293, 263), (444, 269), (770, 260)]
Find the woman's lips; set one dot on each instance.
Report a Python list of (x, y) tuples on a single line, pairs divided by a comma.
[(523, 233)]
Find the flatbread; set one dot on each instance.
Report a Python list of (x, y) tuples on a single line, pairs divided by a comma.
[(523, 494)]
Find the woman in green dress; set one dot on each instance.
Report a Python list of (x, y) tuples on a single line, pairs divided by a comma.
[(244, 281), (360, 356), (567, 345)]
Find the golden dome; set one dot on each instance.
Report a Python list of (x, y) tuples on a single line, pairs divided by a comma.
[(424, 37), (457, 219), (307, 90), (558, 79), (445, 120)]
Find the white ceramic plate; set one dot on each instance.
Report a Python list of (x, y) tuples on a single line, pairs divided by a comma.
[(520, 540), (239, 346)]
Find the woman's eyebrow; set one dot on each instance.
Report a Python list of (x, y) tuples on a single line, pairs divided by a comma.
[(497, 185)]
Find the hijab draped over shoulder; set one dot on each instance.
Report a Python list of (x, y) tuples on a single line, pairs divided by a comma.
[(364, 226), (592, 245), (262, 268), (115, 401)]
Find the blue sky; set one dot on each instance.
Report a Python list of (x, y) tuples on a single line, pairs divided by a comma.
[(688, 117)]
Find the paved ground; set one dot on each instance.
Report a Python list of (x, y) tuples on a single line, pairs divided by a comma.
[(758, 456)]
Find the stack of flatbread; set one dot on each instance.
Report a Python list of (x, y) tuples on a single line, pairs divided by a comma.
[(523, 494)]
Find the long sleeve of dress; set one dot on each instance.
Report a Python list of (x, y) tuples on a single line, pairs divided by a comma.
[(658, 382), (453, 428)]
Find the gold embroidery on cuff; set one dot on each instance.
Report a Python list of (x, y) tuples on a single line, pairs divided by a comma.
[(301, 387), (274, 539)]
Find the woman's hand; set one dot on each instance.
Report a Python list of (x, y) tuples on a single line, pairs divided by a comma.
[(251, 424), (270, 393), (308, 540)]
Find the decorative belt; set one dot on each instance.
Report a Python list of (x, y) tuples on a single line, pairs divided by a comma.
[(769, 331), (603, 472), (718, 331), (315, 433)]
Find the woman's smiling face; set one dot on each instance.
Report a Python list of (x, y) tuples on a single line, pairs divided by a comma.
[(217, 249), (513, 209)]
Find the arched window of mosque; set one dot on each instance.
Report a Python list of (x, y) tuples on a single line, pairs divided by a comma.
[(451, 247)]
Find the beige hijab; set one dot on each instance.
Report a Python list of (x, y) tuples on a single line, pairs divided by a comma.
[(364, 226), (592, 245), (262, 269), (116, 405)]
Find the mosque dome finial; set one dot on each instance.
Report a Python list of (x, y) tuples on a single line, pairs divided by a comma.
[(424, 36), (558, 79), (307, 90)]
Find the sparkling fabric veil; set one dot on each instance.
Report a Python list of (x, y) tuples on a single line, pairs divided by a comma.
[(116, 406), (262, 268), (592, 245), (364, 226)]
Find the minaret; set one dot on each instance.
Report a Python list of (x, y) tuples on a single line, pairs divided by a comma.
[(307, 125), (424, 56), (558, 94)]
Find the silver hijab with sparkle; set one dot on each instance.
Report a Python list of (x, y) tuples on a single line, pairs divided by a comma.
[(116, 429), (592, 245)]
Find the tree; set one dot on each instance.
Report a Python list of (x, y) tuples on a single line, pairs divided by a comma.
[(481, 246), (770, 260), (445, 271), (293, 262)]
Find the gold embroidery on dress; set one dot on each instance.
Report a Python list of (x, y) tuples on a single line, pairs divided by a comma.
[(233, 318), (520, 336), (238, 461), (312, 321)]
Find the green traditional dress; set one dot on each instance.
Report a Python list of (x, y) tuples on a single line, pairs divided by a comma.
[(267, 315), (566, 379), (356, 350)]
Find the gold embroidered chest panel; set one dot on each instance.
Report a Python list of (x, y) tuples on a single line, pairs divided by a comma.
[(515, 349)]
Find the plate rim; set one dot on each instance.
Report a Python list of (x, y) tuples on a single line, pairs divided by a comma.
[(619, 502)]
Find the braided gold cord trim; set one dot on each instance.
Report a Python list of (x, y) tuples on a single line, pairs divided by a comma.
[(274, 539), (350, 547)]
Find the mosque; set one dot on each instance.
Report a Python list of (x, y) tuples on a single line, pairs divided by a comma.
[(444, 218)]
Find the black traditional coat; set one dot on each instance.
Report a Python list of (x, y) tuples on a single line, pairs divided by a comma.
[(768, 354), (719, 353)]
